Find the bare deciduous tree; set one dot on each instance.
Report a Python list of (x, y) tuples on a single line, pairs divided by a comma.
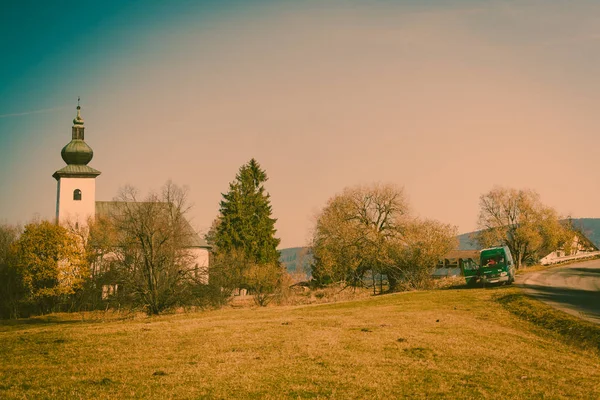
[(519, 220), (263, 281), (152, 247), (421, 244), (354, 230), (368, 229)]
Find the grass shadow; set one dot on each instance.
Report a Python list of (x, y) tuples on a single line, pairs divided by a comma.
[(586, 271), (478, 285), (51, 320), (571, 329), (585, 301), (46, 320)]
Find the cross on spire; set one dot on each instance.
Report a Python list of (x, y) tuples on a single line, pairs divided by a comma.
[(78, 120)]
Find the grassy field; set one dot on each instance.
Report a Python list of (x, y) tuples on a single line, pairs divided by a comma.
[(436, 344)]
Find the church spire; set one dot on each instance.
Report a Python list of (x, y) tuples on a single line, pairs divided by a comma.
[(78, 127), (76, 181), (77, 151), (78, 120)]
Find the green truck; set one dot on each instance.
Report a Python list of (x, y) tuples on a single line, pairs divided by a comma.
[(496, 265)]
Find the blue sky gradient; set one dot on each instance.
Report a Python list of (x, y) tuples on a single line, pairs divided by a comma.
[(325, 94)]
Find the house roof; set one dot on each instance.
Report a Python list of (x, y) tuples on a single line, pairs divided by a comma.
[(462, 254), (108, 208), (585, 240)]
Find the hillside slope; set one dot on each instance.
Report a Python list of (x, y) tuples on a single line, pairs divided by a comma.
[(454, 344)]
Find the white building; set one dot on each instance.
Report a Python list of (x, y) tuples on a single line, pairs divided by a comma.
[(76, 193), (579, 248), (76, 183)]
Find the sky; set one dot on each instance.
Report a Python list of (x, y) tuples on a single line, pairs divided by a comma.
[(446, 99)]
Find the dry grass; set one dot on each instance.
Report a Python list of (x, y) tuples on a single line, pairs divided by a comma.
[(435, 344), (332, 294), (298, 295)]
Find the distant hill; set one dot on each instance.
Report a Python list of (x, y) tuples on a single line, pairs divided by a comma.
[(589, 226), (466, 243), (297, 260)]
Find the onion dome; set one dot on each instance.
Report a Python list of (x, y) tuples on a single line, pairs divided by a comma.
[(77, 154)]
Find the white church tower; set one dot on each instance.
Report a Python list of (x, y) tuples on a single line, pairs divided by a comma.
[(76, 183)]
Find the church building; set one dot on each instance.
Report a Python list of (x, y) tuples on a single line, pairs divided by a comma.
[(76, 194), (76, 188)]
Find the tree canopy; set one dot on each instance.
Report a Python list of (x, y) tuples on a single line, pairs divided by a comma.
[(11, 282), (519, 220), (369, 229), (244, 222), (50, 262)]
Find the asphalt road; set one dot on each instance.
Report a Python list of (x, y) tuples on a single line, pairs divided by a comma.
[(574, 288)]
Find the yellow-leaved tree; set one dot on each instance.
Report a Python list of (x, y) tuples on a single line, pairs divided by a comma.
[(51, 263)]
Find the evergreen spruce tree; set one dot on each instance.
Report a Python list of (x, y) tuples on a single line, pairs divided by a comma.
[(245, 224)]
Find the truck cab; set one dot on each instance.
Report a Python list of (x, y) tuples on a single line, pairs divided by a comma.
[(496, 265)]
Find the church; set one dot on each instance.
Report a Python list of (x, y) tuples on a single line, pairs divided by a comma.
[(76, 194)]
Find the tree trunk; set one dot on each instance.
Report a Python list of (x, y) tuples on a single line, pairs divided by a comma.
[(519, 260), (374, 283), (393, 283)]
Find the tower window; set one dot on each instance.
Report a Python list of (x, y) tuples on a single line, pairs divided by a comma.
[(77, 194)]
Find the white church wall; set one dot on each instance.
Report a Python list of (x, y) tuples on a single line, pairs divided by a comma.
[(201, 263), (76, 211)]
